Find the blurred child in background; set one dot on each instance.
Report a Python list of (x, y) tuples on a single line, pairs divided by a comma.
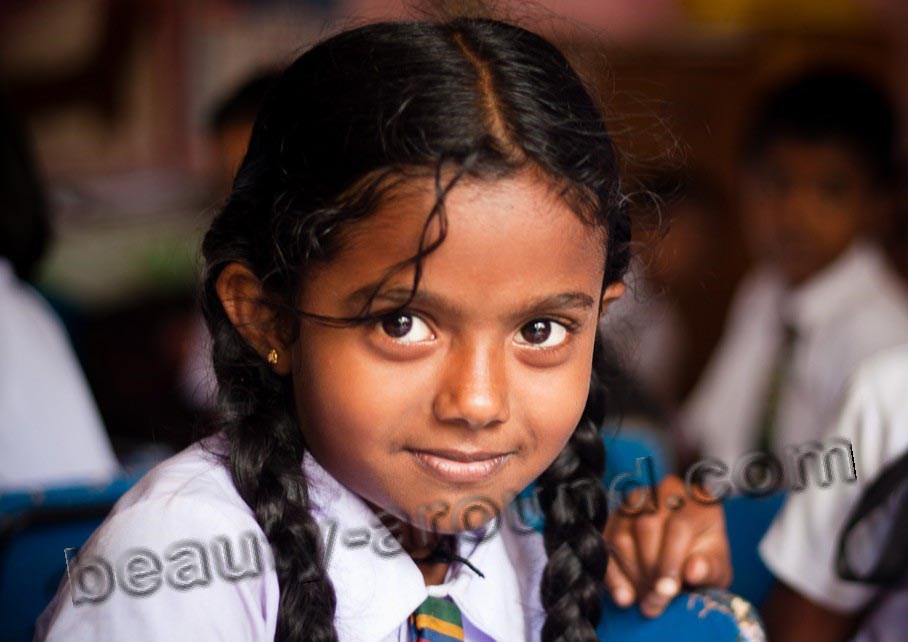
[(818, 178), (50, 429)]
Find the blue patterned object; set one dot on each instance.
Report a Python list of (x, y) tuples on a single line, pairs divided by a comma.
[(712, 614)]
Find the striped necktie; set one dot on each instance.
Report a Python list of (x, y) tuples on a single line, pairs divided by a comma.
[(436, 620)]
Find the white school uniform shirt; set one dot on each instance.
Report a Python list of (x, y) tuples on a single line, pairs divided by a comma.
[(50, 429), (188, 504), (800, 547), (851, 310)]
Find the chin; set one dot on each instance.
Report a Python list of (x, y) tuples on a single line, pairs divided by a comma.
[(457, 512)]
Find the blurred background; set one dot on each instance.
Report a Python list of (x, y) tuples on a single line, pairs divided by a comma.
[(135, 121)]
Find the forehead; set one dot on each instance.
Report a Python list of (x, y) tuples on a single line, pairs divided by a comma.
[(506, 240)]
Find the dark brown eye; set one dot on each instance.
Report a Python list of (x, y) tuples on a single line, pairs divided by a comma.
[(398, 326), (537, 331), (542, 333), (406, 328)]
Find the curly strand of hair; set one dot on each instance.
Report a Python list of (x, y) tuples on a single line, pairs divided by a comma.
[(575, 505)]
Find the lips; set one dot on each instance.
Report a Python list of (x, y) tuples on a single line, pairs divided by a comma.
[(460, 467)]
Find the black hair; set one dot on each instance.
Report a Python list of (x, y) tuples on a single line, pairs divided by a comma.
[(353, 117), (830, 105), (242, 104), (25, 230)]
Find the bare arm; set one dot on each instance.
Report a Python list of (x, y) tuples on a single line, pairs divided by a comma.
[(791, 617)]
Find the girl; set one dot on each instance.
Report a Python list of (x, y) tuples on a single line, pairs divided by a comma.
[(403, 292)]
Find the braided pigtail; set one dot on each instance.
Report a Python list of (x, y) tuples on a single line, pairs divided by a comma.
[(576, 508), (265, 461)]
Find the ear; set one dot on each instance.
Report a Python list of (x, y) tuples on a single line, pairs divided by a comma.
[(612, 293), (243, 298)]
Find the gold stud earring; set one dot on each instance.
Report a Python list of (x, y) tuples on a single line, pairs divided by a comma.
[(272, 357)]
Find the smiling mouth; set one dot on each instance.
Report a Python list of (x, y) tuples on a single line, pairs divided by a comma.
[(460, 467)]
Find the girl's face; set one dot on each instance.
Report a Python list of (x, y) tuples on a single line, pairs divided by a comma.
[(471, 393)]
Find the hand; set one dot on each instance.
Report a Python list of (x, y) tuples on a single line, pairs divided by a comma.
[(653, 553)]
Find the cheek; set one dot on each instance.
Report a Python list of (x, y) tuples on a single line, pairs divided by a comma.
[(343, 389), (553, 405)]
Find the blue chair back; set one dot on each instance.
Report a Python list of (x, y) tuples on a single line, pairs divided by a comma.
[(746, 520), (38, 530)]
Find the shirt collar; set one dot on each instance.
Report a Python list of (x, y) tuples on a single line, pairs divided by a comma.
[(827, 293), (378, 585)]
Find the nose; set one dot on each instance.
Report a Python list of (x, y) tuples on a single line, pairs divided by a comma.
[(473, 389)]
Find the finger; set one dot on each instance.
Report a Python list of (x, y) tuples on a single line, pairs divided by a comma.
[(704, 569), (619, 587), (623, 557), (676, 546), (648, 537), (666, 584), (698, 570)]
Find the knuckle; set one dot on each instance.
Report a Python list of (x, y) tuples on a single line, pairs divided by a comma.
[(623, 541), (679, 528), (648, 524)]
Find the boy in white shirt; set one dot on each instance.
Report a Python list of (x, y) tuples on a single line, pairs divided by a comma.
[(822, 299), (812, 601)]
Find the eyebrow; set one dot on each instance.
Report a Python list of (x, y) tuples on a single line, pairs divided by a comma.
[(400, 295)]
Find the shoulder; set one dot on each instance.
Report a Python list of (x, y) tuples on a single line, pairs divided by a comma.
[(875, 414), (884, 377), (760, 289), (196, 476), (179, 554), (29, 325), (867, 315), (25, 311), (185, 498), (873, 306)]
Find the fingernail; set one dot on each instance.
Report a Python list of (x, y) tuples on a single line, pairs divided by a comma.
[(652, 606), (667, 587), (698, 570), (623, 596)]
